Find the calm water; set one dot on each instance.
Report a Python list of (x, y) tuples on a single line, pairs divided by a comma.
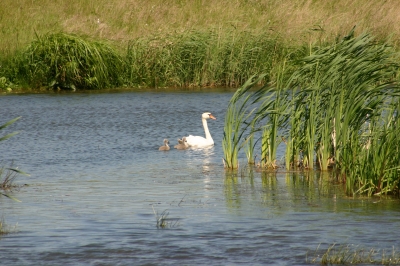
[(97, 175)]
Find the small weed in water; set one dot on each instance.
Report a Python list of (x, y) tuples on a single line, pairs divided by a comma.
[(349, 254), (162, 220), (8, 176), (5, 229)]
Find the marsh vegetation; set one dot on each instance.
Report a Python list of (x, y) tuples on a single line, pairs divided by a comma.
[(338, 111)]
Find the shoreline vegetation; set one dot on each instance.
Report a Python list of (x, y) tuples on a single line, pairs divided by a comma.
[(190, 59), (320, 77), (339, 111), (157, 44)]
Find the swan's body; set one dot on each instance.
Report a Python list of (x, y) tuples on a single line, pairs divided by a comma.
[(182, 144), (165, 147), (198, 141)]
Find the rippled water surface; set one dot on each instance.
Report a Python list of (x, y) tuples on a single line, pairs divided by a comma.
[(97, 178)]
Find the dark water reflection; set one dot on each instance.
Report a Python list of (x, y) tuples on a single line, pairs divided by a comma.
[(96, 175)]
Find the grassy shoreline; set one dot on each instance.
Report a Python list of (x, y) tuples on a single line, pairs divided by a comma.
[(189, 59), (187, 43)]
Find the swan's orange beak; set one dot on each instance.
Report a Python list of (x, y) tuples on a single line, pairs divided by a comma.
[(212, 117)]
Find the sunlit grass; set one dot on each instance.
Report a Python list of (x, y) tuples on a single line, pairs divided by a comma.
[(296, 21)]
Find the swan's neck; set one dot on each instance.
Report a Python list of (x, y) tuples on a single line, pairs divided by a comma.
[(208, 135)]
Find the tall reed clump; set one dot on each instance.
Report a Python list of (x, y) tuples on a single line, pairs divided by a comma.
[(260, 114), (236, 124), (68, 61), (344, 88), (338, 110), (197, 58)]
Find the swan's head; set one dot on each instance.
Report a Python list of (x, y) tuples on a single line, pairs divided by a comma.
[(207, 116), (166, 141)]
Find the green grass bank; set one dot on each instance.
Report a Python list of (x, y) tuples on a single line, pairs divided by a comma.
[(173, 43)]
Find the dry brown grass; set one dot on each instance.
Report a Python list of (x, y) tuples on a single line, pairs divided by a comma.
[(120, 21)]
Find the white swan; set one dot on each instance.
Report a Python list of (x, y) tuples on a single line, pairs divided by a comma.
[(165, 147), (198, 141)]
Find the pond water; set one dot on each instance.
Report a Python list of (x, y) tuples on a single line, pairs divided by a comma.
[(97, 179)]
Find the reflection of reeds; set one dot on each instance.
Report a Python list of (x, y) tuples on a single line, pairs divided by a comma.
[(322, 111)]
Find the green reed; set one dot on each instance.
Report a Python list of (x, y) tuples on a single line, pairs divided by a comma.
[(321, 113), (375, 169), (188, 59), (200, 58), (3, 126), (236, 127), (68, 61), (271, 118), (265, 109)]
